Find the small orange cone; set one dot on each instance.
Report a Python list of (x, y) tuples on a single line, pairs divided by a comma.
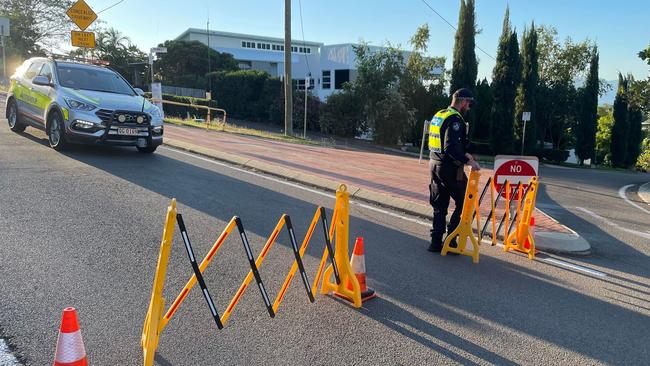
[(358, 264), (70, 349), (531, 231)]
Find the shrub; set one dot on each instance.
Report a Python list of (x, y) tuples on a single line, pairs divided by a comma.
[(314, 106), (246, 94), (555, 155), (341, 115), (643, 162)]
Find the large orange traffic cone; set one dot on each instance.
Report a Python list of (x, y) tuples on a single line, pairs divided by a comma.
[(70, 349), (358, 264)]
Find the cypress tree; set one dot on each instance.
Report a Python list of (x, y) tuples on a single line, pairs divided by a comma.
[(505, 78), (465, 66), (621, 128), (635, 118), (527, 91), (587, 121), (480, 128)]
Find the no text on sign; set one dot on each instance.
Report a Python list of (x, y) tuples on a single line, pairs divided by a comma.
[(515, 169), (83, 39), (81, 14)]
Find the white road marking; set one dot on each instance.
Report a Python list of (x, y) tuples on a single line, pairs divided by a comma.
[(622, 193), (610, 223), (369, 207)]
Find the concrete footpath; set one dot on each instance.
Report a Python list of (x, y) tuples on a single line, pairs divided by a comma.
[(388, 180)]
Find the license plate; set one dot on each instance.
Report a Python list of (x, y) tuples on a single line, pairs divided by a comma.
[(128, 131)]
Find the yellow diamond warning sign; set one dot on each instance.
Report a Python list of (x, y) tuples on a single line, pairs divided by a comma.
[(81, 14), (83, 39)]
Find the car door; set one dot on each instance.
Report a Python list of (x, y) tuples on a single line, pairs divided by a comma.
[(43, 93), (27, 102)]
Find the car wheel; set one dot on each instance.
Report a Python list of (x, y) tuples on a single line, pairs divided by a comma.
[(56, 131), (147, 149), (15, 124)]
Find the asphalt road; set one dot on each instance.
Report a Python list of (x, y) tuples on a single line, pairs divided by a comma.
[(83, 229)]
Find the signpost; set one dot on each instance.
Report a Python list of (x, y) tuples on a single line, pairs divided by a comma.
[(83, 16), (515, 169), (156, 87), (525, 116), (4, 32)]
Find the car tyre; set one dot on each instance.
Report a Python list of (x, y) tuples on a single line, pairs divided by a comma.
[(146, 149), (15, 124), (56, 131)]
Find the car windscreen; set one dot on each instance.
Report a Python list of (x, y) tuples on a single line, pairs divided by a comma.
[(92, 79)]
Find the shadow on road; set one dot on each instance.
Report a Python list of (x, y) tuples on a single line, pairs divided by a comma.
[(423, 297)]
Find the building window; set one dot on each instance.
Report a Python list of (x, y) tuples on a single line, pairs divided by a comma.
[(309, 50), (243, 44), (300, 84), (273, 47), (327, 77), (294, 49), (341, 77)]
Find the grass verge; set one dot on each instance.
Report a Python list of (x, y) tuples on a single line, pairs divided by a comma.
[(230, 128)]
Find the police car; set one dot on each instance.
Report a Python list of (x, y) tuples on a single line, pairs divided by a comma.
[(78, 102)]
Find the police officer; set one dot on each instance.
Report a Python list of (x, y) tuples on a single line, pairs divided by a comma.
[(448, 144)]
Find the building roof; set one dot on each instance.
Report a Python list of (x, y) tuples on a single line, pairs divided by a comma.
[(246, 36)]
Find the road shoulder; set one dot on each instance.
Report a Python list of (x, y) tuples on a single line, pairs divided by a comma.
[(644, 192)]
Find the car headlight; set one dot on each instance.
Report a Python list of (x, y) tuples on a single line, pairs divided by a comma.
[(155, 112), (80, 106)]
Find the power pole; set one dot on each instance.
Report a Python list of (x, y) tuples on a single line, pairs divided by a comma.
[(209, 78), (288, 97)]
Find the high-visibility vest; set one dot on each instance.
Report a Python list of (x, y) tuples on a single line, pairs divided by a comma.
[(435, 138)]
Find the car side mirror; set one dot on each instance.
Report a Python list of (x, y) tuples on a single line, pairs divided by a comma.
[(41, 80), (139, 91)]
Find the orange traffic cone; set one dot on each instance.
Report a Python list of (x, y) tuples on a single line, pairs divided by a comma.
[(531, 231), (70, 349), (358, 264)]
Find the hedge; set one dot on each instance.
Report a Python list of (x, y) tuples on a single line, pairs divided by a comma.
[(555, 155), (246, 94)]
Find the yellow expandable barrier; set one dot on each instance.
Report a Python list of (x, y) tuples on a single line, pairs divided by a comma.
[(340, 267), (516, 239), (342, 259), (463, 232), (153, 321)]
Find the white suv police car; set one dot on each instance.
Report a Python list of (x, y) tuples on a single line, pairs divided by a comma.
[(78, 102)]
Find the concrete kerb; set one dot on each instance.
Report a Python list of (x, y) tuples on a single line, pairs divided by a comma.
[(644, 192), (559, 243)]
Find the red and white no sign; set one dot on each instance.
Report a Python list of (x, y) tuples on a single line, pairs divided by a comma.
[(515, 169)]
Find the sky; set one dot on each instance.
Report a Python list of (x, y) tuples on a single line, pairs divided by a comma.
[(619, 28)]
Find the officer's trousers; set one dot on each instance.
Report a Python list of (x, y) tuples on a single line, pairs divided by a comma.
[(447, 180)]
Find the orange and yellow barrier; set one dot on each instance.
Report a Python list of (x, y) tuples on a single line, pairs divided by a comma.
[(521, 239), (340, 268)]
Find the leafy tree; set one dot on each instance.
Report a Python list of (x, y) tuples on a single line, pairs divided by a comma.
[(587, 123), (185, 64), (621, 128), (604, 136), (527, 91), (422, 85), (640, 90), (465, 64), (505, 78), (560, 65), (645, 55), (377, 87), (35, 25)]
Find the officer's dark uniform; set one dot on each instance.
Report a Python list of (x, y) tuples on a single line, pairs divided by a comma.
[(448, 142)]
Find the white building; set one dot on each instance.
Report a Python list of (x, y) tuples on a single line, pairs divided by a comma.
[(330, 65)]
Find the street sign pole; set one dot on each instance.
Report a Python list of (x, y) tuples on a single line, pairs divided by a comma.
[(4, 32), (4, 60), (524, 117)]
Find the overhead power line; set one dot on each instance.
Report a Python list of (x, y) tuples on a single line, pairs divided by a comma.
[(117, 3), (454, 28), (303, 35)]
